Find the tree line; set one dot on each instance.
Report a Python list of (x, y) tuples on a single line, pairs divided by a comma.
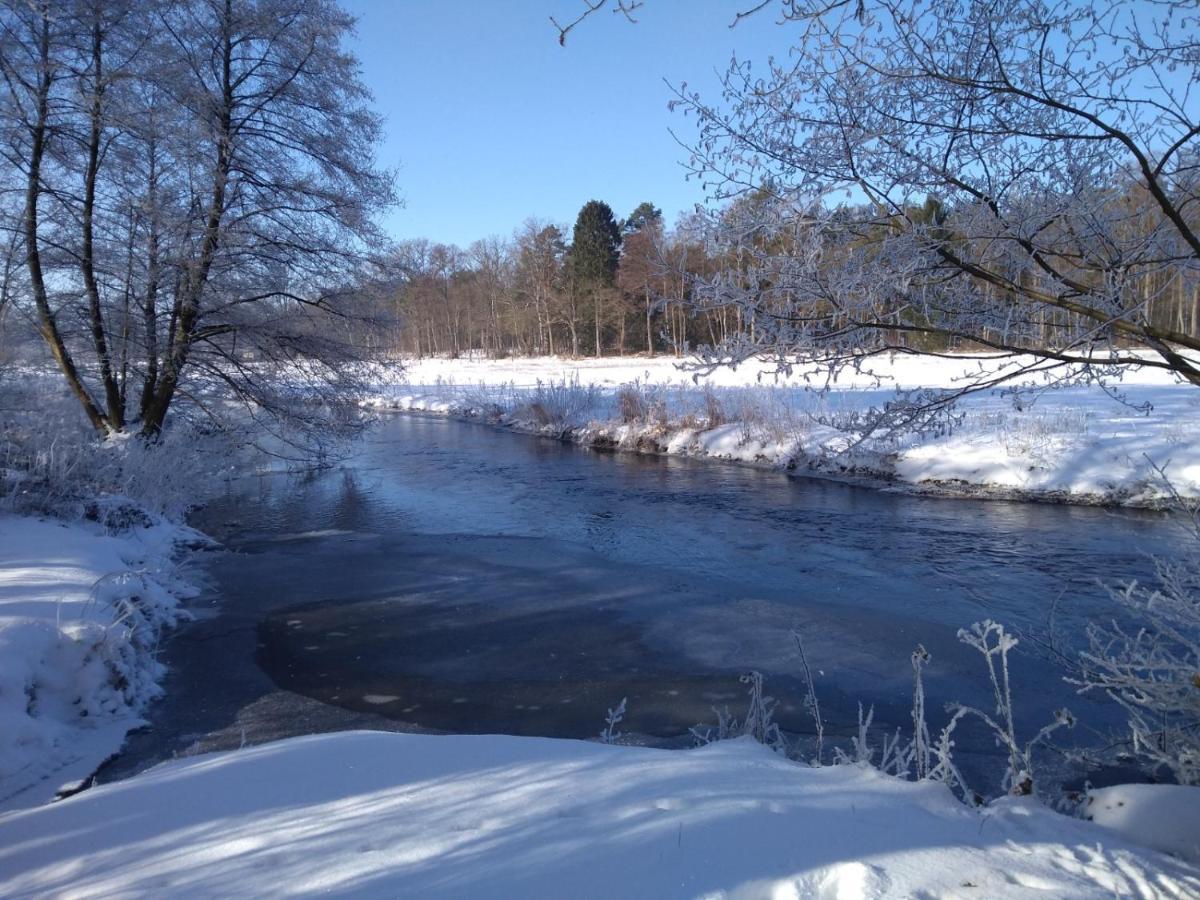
[(605, 286), (189, 206), (765, 273)]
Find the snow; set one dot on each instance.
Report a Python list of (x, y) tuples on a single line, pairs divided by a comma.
[(1163, 816), (1076, 442), (386, 815), (79, 613)]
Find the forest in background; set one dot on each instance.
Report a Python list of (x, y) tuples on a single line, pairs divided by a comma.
[(613, 286)]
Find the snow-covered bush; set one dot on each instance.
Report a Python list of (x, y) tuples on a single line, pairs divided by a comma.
[(631, 404), (80, 655), (560, 404), (52, 462), (1150, 664), (714, 413), (489, 401), (641, 403)]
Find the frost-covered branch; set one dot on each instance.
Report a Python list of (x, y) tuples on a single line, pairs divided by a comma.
[(1149, 663)]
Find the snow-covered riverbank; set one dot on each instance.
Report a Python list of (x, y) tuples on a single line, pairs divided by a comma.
[(81, 610), (1080, 444), (387, 815)]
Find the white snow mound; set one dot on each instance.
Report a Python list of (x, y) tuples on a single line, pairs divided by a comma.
[(394, 815)]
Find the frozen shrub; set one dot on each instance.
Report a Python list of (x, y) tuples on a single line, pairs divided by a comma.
[(714, 412), (760, 717), (1152, 666), (759, 722), (895, 757), (994, 643), (487, 401), (631, 404), (52, 463), (924, 759), (561, 405)]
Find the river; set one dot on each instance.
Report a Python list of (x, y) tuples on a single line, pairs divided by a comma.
[(453, 577)]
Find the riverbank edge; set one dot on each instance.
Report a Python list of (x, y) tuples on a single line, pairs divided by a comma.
[(613, 437), (82, 628)]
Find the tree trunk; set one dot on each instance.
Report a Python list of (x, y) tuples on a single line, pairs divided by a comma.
[(112, 391), (649, 330), (150, 301), (47, 324), (188, 303), (596, 313)]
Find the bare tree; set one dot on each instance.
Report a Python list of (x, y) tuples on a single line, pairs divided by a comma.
[(199, 199), (539, 252), (1017, 177), (1058, 141)]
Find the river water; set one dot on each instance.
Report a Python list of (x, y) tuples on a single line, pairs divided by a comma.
[(453, 577)]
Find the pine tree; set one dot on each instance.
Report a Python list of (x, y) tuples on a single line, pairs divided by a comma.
[(645, 214), (595, 246), (595, 253)]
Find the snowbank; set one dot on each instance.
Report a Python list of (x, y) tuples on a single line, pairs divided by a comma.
[(395, 815), (1163, 816), (80, 614), (1082, 443)]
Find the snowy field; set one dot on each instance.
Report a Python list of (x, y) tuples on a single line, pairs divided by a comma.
[(368, 814), (1079, 443), (80, 616)]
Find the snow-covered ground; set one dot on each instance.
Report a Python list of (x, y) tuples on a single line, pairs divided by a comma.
[(80, 614), (1075, 442), (369, 814)]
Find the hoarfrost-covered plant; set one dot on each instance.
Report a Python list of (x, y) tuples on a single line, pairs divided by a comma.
[(920, 659), (1152, 666), (994, 643), (810, 697), (895, 757), (760, 717), (933, 760), (609, 733), (759, 722), (561, 405)]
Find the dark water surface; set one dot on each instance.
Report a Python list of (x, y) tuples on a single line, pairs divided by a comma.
[(455, 578)]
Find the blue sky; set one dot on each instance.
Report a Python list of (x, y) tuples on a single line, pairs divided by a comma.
[(490, 121)]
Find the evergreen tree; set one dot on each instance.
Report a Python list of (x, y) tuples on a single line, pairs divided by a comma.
[(645, 214), (595, 246), (595, 254)]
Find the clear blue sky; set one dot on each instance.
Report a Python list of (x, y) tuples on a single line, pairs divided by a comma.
[(490, 121)]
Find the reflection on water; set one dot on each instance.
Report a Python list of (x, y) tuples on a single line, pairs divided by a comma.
[(462, 579)]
